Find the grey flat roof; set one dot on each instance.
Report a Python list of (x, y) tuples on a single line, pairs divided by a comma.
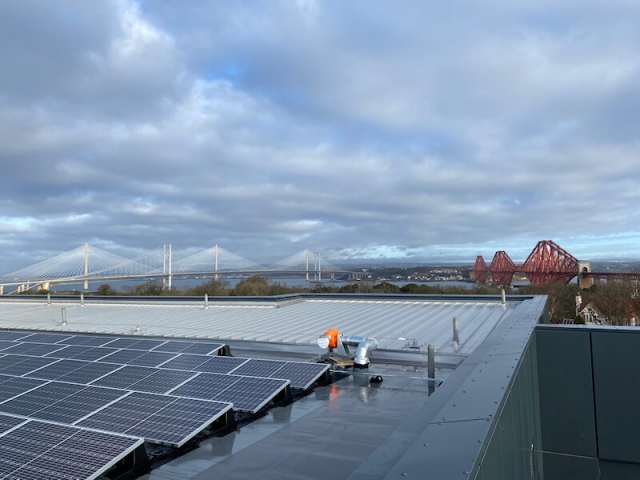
[(350, 428), (394, 321)]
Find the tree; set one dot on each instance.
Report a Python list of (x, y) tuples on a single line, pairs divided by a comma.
[(254, 286), (213, 288), (150, 288), (105, 289)]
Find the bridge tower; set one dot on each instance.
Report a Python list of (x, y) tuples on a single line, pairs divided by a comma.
[(584, 282), (166, 266), (86, 267), (502, 269), (548, 262), (480, 270)]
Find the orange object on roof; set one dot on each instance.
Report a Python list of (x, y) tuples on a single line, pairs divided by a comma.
[(333, 334)]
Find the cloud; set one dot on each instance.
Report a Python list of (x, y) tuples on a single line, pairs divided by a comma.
[(351, 128)]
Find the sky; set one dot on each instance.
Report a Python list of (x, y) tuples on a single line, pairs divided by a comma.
[(408, 131)]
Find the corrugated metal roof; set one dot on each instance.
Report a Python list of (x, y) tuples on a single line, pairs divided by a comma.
[(297, 322)]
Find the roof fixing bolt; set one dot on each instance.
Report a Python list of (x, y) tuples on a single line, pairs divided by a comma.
[(404, 474), (426, 444), (466, 472)]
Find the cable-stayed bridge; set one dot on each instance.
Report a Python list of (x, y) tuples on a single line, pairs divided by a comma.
[(90, 264)]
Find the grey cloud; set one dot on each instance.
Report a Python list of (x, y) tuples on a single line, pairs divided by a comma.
[(349, 127)]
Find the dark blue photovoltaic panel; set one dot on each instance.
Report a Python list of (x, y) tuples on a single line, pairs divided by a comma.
[(39, 398), (38, 450), (78, 405), (45, 337), (6, 344), (152, 359), (58, 369), (259, 368), (12, 336), (301, 375), (13, 386), (135, 343), (247, 394), (88, 373), (18, 365), (157, 418), (205, 386), (33, 349), (161, 381), (175, 346), (121, 342), (186, 362), (88, 340), (7, 422), (60, 402), (123, 357), (124, 377), (220, 364), (81, 352), (251, 393)]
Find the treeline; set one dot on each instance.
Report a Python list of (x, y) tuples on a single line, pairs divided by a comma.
[(617, 300), (258, 285)]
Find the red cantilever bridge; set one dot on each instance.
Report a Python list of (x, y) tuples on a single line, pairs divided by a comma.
[(548, 262)]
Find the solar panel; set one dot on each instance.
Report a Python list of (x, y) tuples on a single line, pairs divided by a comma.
[(88, 373), (7, 422), (57, 370), (36, 450), (11, 336), (6, 344), (220, 364), (123, 357), (152, 359), (161, 381), (60, 402), (157, 418), (135, 343), (138, 357), (88, 340), (176, 346), (247, 394), (259, 368), (45, 337), (124, 377), (205, 386), (301, 375), (18, 365), (82, 352), (13, 386), (33, 349), (186, 362)]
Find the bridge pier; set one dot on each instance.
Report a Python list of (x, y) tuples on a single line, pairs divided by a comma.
[(584, 282), (44, 286), (1, 289)]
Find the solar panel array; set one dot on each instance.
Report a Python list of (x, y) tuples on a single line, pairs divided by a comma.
[(30, 449), (162, 391)]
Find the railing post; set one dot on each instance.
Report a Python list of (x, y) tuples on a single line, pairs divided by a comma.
[(82, 299), (431, 368), (48, 299), (64, 316), (456, 336), (206, 300)]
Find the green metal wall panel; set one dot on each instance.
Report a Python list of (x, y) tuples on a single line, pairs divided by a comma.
[(568, 467), (566, 392), (617, 390), (619, 471)]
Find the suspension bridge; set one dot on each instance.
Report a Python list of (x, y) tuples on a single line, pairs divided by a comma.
[(548, 262), (91, 264)]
